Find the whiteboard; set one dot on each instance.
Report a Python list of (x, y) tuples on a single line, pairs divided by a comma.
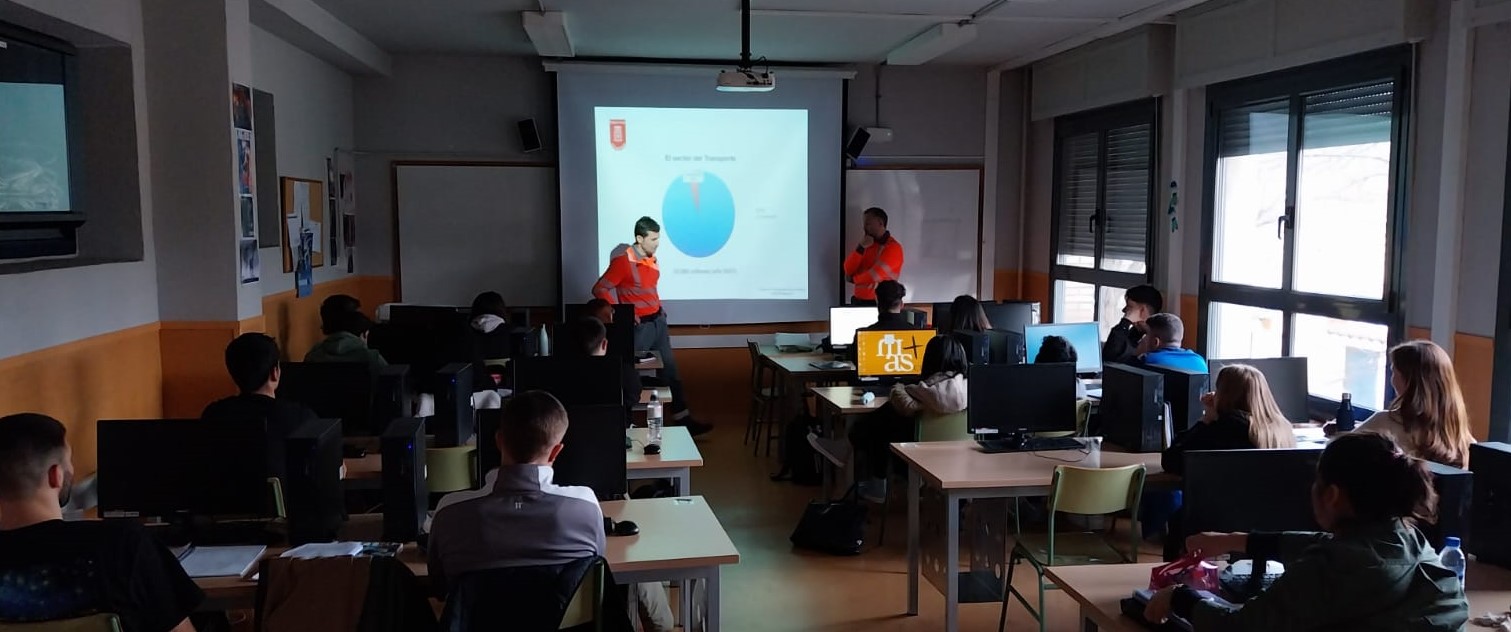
[(465, 229), (935, 214)]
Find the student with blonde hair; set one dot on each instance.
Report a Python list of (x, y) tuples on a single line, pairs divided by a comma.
[(1427, 419)]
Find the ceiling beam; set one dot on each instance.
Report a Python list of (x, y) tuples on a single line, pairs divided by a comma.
[(923, 17), (1151, 15)]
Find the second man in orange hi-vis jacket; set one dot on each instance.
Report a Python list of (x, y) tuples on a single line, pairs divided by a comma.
[(631, 279), (877, 258)]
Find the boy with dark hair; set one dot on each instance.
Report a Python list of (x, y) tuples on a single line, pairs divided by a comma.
[(600, 309), (252, 360), (347, 343), (1139, 303), (548, 524), (333, 307), (51, 569), (889, 316)]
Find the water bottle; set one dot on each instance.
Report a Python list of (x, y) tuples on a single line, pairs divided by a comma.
[(542, 342), (1452, 556), (1345, 419), (653, 420)]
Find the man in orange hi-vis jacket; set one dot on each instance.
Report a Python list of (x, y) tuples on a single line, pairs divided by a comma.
[(878, 258), (631, 279)]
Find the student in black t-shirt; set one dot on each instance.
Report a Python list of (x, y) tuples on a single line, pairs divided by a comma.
[(51, 569), (889, 316), (252, 360), (591, 338)]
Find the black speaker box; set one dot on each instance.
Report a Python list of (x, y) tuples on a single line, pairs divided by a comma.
[(857, 142), (529, 136), (405, 497)]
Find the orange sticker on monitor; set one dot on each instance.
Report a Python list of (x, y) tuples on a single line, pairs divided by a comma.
[(891, 353)]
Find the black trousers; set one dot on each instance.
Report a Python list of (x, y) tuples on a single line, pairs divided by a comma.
[(872, 435)]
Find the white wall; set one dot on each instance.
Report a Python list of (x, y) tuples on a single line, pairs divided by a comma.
[(1485, 177), (47, 308), (438, 107), (935, 112), (313, 108)]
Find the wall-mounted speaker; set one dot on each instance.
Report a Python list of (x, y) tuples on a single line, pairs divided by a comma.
[(857, 143), (529, 136)]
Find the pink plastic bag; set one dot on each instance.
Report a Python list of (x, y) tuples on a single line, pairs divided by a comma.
[(1193, 570)]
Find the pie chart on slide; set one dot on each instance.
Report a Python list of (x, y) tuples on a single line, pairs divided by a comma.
[(699, 213)]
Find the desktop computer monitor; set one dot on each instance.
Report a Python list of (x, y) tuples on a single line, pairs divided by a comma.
[(1249, 490), (1183, 391), (621, 333), (977, 345), (1084, 337), (1012, 315), (843, 321), (1017, 398), (334, 390), (1006, 346), (426, 315), (593, 450), (1287, 378), (575, 381), (890, 353), (312, 492), (918, 317), (164, 467), (1132, 410), (942, 319)]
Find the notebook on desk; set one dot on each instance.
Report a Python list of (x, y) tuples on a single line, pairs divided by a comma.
[(219, 561)]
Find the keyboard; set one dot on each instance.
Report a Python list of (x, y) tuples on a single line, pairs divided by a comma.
[(1042, 444)]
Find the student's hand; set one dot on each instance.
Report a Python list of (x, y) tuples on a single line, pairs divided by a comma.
[(1217, 544), (1208, 407), (1330, 428), (1158, 609)]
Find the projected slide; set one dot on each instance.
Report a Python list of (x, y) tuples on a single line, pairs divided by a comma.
[(33, 148), (729, 187)]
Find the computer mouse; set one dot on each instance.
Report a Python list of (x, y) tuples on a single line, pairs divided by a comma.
[(652, 449), (626, 527)]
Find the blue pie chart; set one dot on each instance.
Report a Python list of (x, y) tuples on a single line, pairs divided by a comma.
[(699, 214)]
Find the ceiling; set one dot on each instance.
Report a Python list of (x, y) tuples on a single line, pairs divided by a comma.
[(811, 31)]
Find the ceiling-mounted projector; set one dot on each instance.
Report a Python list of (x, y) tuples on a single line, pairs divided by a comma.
[(747, 80)]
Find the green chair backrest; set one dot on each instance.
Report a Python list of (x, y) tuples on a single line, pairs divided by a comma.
[(951, 427), (1083, 414), (1093, 491), (449, 469), (94, 623), (587, 603)]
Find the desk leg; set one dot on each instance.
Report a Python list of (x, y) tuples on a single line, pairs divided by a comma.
[(682, 481), (685, 601), (951, 563), (711, 596), (1087, 623), (913, 537)]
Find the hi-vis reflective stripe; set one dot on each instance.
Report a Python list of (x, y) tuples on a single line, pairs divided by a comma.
[(886, 271), (634, 268)]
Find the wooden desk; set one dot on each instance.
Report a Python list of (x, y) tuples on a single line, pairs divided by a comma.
[(836, 404), (663, 393), (679, 454), (960, 470), (680, 540), (1099, 590), (651, 365), (794, 372)]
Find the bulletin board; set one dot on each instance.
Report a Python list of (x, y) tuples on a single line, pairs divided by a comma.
[(304, 210)]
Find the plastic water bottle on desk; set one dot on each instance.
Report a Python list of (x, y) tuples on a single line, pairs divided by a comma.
[(1345, 418), (653, 420), (1453, 557)]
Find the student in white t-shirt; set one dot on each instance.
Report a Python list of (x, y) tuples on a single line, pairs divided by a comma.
[(1428, 418)]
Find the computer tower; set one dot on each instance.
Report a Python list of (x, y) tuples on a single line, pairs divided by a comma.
[(1491, 503), (1183, 391), (390, 397), (1006, 346), (621, 333), (453, 422), (1132, 410), (977, 345), (488, 456), (1455, 489), (405, 496), (312, 492)]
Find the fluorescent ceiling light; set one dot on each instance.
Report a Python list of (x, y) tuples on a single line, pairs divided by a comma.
[(548, 32), (932, 43)]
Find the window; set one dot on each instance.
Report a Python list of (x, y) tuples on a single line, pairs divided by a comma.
[(1304, 190), (1103, 201), (38, 215)]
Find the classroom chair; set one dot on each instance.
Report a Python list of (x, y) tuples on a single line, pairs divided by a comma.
[(450, 469), (763, 402), (103, 622), (929, 427), (552, 597), (1085, 492), (1083, 417)]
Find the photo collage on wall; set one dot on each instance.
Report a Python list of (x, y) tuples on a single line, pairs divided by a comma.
[(246, 183)]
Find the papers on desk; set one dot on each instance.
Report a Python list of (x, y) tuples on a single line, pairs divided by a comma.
[(323, 549), (220, 561), (832, 365)]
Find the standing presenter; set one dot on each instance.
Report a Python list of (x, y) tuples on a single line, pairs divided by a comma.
[(631, 279), (877, 258)]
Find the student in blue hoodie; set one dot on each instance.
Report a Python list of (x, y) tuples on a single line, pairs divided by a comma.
[(1160, 345)]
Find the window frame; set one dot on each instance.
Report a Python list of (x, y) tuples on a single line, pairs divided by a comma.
[(1294, 85), (54, 234), (1102, 121)]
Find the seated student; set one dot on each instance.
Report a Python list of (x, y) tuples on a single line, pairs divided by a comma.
[(889, 316), (252, 360), (556, 524), (1058, 350), (490, 339), (1160, 345), (51, 569), (942, 392), (590, 338), (1427, 419), (489, 313), (1370, 569), (1139, 303), (347, 342), (1240, 414), (601, 309), (966, 315), (333, 307)]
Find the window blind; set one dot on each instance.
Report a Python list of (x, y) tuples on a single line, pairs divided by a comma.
[(1078, 195), (1129, 162)]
